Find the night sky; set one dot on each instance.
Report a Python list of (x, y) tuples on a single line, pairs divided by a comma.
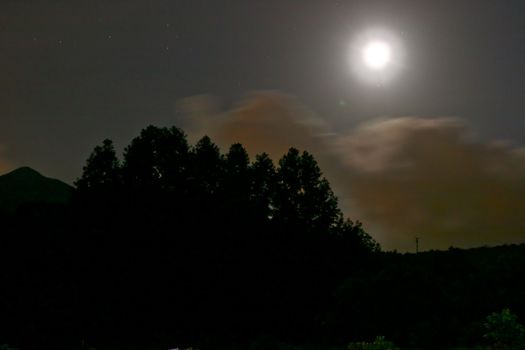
[(74, 73)]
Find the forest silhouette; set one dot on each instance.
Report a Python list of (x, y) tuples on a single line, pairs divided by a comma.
[(181, 245)]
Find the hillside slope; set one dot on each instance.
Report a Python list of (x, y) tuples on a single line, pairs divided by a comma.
[(25, 186)]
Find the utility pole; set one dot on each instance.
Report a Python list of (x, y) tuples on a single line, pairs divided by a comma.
[(417, 245)]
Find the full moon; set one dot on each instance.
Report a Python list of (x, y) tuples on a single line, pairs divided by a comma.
[(376, 54)]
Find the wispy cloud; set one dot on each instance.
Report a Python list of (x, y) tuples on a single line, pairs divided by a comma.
[(432, 178), (404, 177)]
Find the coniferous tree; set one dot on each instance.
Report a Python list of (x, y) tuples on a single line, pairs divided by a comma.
[(158, 158), (216, 231), (237, 175), (263, 185), (97, 190), (102, 169), (303, 196), (207, 167)]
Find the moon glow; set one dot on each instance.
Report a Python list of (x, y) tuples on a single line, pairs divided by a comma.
[(376, 55)]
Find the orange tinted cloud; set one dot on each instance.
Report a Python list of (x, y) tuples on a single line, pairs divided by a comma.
[(263, 122), (430, 178), (403, 177)]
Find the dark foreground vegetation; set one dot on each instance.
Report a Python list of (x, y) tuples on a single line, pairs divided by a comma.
[(179, 245)]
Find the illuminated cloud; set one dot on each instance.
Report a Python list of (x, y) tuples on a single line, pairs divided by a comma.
[(403, 177), (263, 122), (430, 178)]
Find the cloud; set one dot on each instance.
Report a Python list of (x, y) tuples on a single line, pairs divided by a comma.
[(431, 178), (403, 177), (265, 121)]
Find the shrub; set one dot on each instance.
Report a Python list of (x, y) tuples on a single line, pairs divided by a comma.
[(6, 347), (378, 344), (504, 331)]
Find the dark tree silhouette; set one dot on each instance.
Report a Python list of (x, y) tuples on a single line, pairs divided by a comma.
[(102, 169), (355, 238), (185, 244), (207, 167), (157, 159), (263, 185), (237, 174), (98, 189), (303, 195)]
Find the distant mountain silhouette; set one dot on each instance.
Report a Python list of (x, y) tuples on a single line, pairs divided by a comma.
[(26, 186)]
